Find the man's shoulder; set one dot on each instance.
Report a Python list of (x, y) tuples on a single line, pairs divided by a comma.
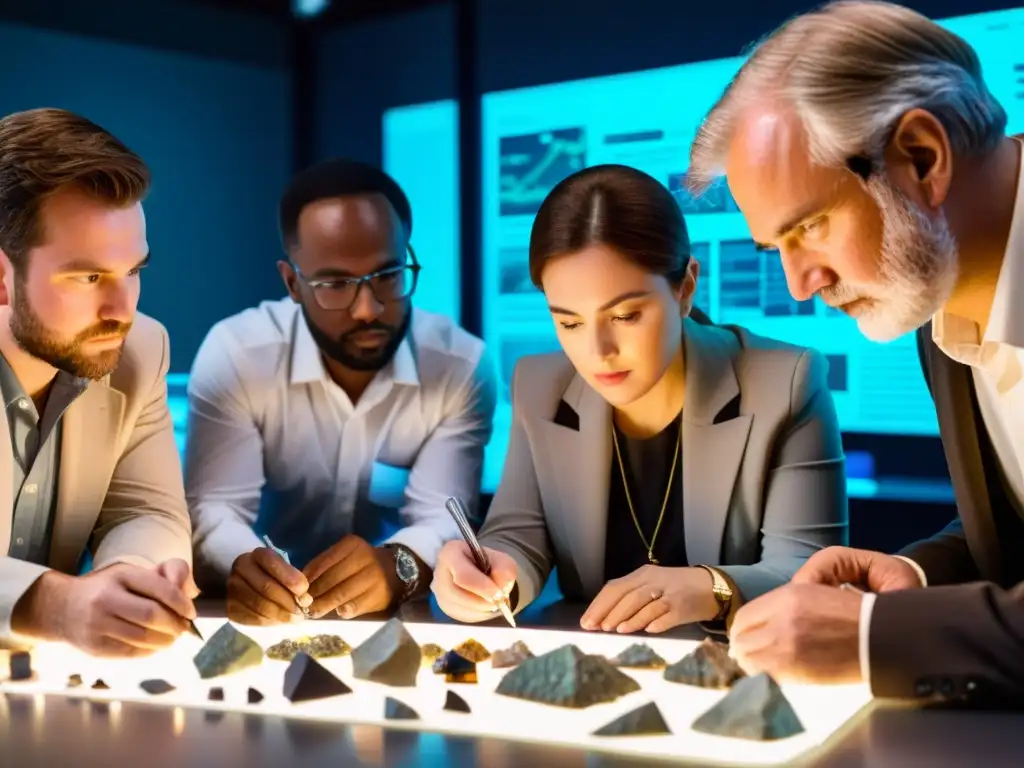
[(443, 346), (269, 323), (143, 356)]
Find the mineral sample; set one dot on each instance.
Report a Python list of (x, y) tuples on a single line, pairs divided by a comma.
[(455, 668), (389, 656), (253, 696), (99, 685), (708, 666), (512, 656), (74, 681), (455, 703), (473, 651), (306, 679), (318, 646), (755, 708), (431, 652), (156, 687), (21, 665), (639, 656), (226, 652), (396, 710), (216, 694), (642, 721), (567, 677)]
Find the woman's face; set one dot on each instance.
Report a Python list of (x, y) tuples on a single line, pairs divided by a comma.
[(618, 323)]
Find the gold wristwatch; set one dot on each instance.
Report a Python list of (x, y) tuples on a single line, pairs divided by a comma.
[(722, 591)]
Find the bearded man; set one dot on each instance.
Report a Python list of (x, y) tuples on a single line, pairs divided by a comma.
[(864, 149), (328, 429)]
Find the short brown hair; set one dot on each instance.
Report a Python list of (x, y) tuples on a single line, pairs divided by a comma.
[(43, 151)]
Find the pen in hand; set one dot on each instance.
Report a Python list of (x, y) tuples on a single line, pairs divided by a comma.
[(458, 512), (284, 556)]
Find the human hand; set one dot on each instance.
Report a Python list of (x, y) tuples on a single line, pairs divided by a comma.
[(263, 589), (800, 633), (463, 591), (352, 577), (871, 571), (179, 574), (652, 598)]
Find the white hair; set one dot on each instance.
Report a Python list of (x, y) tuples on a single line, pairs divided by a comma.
[(850, 70)]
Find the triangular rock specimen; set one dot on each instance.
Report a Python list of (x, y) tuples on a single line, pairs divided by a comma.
[(755, 708), (512, 656), (639, 656), (253, 696), (456, 668), (642, 721), (709, 665), (156, 687), (455, 703), (567, 677), (396, 710), (21, 665), (473, 651), (306, 679), (226, 652), (99, 685), (389, 656)]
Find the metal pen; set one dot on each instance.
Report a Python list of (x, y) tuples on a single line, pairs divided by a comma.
[(284, 556), (457, 510)]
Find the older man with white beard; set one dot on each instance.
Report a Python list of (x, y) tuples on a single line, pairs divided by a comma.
[(862, 146)]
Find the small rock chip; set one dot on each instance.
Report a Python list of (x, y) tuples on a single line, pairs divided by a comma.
[(639, 656), (74, 681), (21, 665), (512, 656), (455, 703), (456, 668), (99, 685), (431, 652), (253, 696), (156, 687), (216, 694), (473, 651), (396, 710), (709, 665), (642, 721)]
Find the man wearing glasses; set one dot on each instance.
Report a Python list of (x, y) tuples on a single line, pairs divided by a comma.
[(326, 430)]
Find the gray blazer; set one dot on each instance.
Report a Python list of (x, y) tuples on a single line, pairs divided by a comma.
[(764, 480)]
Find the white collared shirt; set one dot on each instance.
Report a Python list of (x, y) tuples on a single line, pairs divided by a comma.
[(276, 447), (997, 366)]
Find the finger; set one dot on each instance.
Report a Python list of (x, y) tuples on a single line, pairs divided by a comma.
[(112, 648), (138, 636), (503, 570), (642, 619), (316, 567), (343, 593), (241, 591), (629, 605), (369, 600), (754, 614), (274, 566), (264, 585), (606, 599), (451, 597), (145, 613), (150, 583), (239, 613), (753, 649), (468, 577), (666, 621), (337, 574)]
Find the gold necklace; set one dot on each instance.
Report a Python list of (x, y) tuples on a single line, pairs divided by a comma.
[(664, 504)]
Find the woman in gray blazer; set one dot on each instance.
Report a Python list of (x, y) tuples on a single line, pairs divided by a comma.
[(671, 469)]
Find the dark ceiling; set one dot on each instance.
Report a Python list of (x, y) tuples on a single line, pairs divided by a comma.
[(339, 11)]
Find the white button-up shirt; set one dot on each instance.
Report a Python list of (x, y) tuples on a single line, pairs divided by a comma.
[(276, 447)]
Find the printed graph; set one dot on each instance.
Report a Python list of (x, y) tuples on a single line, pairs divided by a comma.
[(532, 164)]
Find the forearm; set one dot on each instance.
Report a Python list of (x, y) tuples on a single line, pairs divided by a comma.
[(37, 615), (945, 557), (144, 538), (752, 581)]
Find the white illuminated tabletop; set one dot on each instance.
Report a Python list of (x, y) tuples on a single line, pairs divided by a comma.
[(822, 710)]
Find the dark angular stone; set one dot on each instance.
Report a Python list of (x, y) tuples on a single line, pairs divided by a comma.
[(639, 656), (455, 703), (642, 721), (709, 665), (567, 677), (396, 710), (74, 681), (431, 653), (755, 708), (216, 694), (156, 687), (318, 646), (228, 651), (306, 679), (473, 651), (21, 665), (512, 656), (253, 696), (455, 668), (99, 685), (389, 656)]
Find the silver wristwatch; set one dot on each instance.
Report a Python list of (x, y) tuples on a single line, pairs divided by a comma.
[(407, 569)]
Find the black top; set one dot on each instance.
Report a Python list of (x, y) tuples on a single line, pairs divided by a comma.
[(648, 463)]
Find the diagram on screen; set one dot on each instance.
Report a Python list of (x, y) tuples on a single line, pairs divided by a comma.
[(717, 198), (532, 164), (752, 283)]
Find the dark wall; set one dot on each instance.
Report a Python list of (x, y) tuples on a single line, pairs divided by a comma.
[(365, 69), (216, 132)]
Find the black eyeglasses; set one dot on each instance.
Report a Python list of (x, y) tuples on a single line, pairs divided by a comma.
[(338, 294)]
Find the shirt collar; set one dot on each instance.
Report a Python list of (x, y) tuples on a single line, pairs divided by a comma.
[(12, 390), (959, 336), (307, 365)]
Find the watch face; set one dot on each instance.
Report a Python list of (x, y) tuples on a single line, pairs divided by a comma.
[(406, 566)]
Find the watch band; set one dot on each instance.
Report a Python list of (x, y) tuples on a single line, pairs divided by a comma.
[(409, 586), (722, 591)]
